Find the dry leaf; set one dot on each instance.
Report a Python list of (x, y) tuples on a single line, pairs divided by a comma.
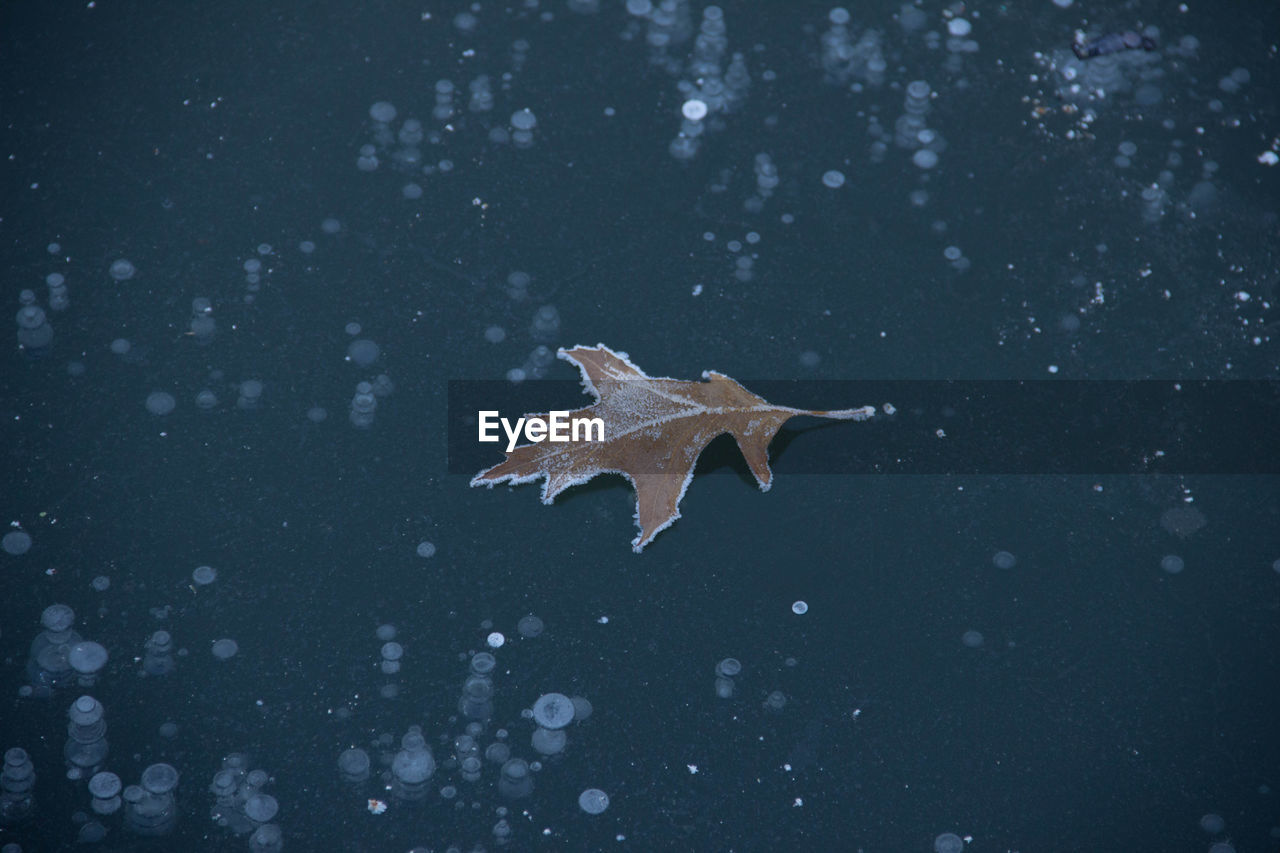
[(654, 430)]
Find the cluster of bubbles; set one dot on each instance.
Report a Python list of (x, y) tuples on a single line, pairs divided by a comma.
[(242, 806), (59, 656), (35, 333), (364, 353), (158, 654), (86, 746), (956, 258), (709, 89), (253, 272), (17, 787), (59, 298), (35, 337), (855, 54), (664, 24), (1214, 824), (767, 180), (911, 130), (473, 753), (392, 655), (202, 325), (544, 328), (249, 394), (148, 808), (1135, 73), (1136, 83), (726, 671), (404, 147), (850, 57)]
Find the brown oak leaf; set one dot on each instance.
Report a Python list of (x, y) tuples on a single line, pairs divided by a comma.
[(654, 430)]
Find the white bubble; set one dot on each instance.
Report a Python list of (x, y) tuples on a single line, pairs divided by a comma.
[(87, 657), (261, 808), (800, 608), (948, 842), (382, 111), (122, 270), (160, 402), (925, 158), (1212, 823), (593, 801), (426, 549), (959, 27), (495, 640), (19, 542), (553, 711), (694, 109), (833, 179)]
